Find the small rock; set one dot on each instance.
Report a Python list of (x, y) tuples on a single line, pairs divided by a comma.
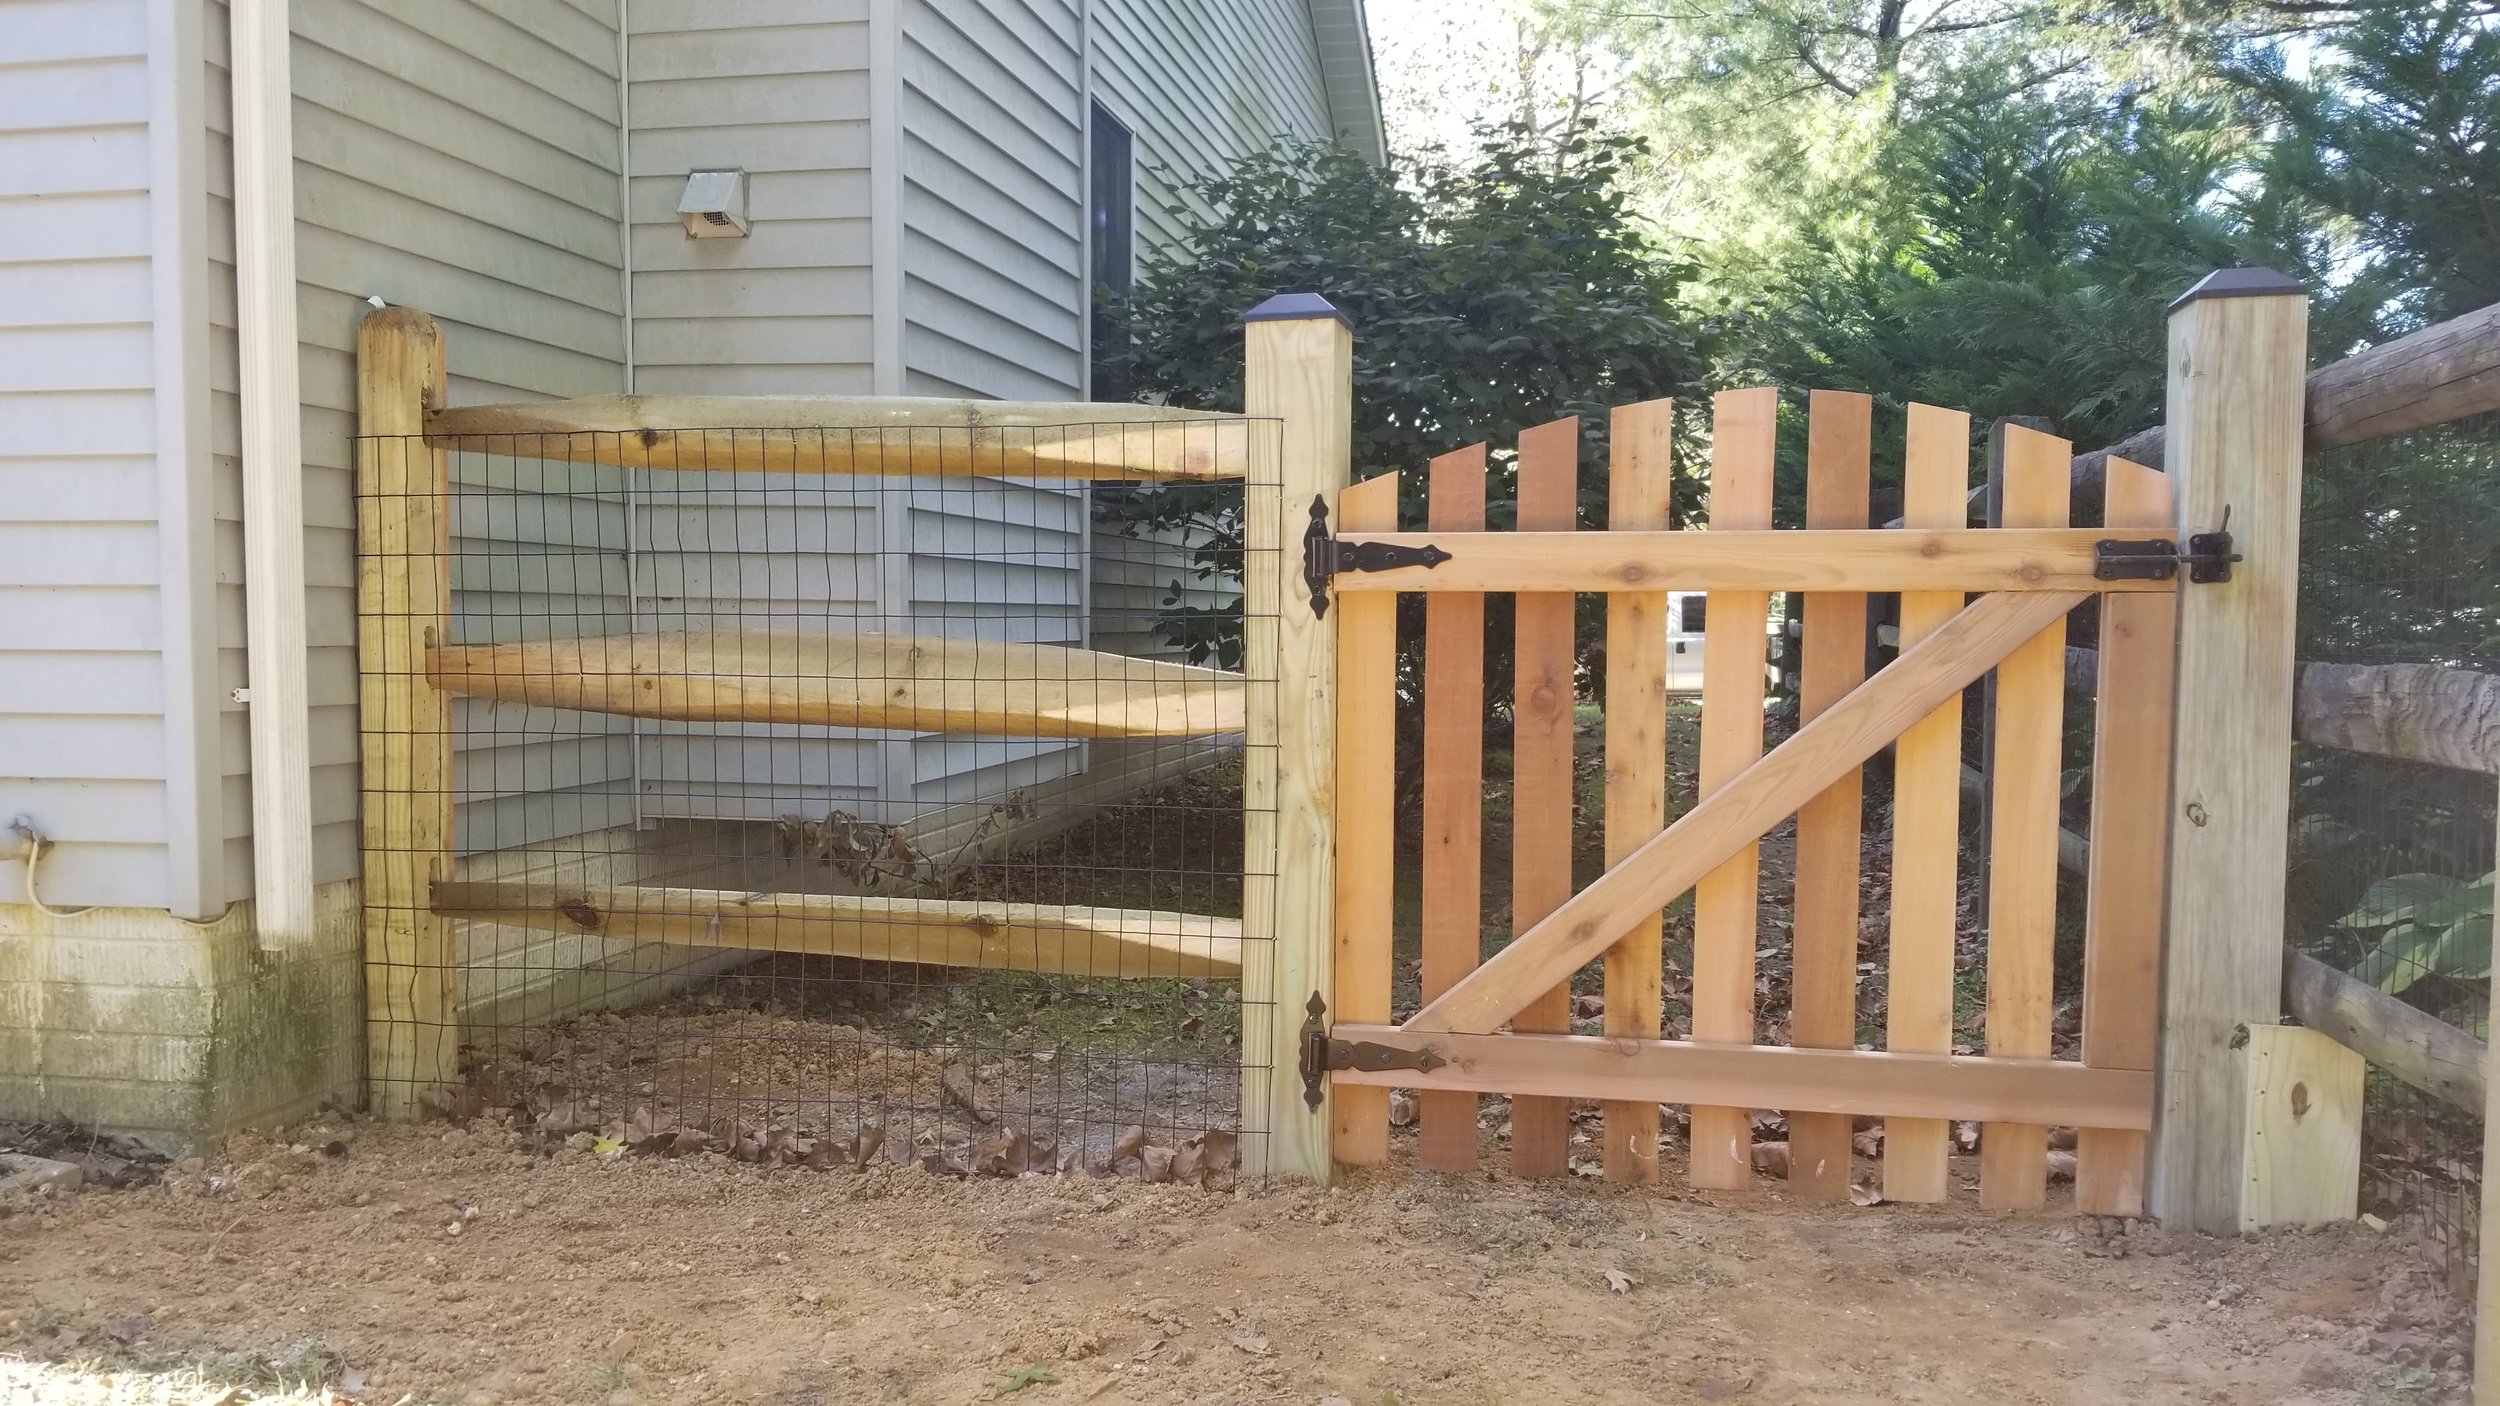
[(21, 1171)]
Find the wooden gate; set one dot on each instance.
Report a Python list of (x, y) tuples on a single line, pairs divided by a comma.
[(1971, 601)]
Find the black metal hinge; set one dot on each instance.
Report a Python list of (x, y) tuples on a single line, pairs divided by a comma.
[(2208, 557), (1321, 1054), (1324, 557)]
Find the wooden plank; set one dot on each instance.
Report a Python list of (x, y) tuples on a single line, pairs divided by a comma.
[(1926, 816), (921, 683), (976, 934), (1758, 1076), (1734, 650), (2029, 733), (878, 435), (1299, 381), (1640, 481), (403, 600), (2304, 1128), (1823, 976), (1544, 659), (2405, 1042), (2124, 884), (2487, 1267), (2236, 356), (1453, 822), (1873, 559), (1735, 816), (1367, 702)]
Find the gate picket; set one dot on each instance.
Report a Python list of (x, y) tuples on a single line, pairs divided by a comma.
[(1544, 660), (1926, 818), (2022, 859), (1367, 701), (1453, 827), (2124, 898), (1823, 977), (1640, 480), (1734, 652)]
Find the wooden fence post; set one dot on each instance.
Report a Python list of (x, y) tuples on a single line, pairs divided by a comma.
[(403, 605), (1300, 380), (2487, 1245), (2238, 348)]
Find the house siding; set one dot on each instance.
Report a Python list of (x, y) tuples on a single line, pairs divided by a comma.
[(464, 157), (1200, 83), (779, 89), (97, 702)]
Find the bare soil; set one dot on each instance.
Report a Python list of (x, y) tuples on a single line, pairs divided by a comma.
[(417, 1265)]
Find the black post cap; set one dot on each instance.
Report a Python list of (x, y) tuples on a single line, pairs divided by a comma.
[(2240, 283), (1295, 307)]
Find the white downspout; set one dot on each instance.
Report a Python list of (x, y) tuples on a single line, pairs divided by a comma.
[(273, 473)]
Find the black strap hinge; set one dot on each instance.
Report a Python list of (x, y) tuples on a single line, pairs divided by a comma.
[(1324, 558), (1321, 1054), (2208, 557)]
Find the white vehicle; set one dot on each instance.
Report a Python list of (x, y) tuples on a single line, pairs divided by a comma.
[(1685, 618)]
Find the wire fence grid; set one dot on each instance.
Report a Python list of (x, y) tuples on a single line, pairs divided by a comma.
[(822, 817), (2391, 862)]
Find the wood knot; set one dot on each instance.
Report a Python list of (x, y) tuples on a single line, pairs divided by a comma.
[(1931, 548), (1634, 571), (2300, 1100)]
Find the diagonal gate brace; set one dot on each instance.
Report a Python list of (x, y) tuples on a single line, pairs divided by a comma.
[(1737, 814)]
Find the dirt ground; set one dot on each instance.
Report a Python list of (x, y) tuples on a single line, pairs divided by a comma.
[(406, 1266)]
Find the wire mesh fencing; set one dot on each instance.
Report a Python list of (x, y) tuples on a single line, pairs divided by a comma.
[(2390, 877), (830, 795)]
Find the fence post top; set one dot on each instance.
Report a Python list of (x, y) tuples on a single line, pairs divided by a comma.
[(1296, 307), (2245, 282)]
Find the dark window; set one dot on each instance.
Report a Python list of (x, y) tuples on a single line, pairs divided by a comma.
[(1695, 610), (1111, 216)]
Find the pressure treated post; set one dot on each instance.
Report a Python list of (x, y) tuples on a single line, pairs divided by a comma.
[(2238, 348), (403, 605), (1300, 385)]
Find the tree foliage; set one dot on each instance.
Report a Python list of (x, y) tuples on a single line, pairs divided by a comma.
[(1490, 295)]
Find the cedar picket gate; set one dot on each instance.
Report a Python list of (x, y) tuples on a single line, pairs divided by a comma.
[(2027, 576)]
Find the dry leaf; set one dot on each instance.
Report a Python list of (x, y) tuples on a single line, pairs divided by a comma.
[(1966, 1136), (1618, 1281), (1865, 1195), (1256, 1347), (1869, 1143), (1155, 1163), (1127, 1146), (864, 1145), (1588, 1006), (1771, 1158), (1005, 1153)]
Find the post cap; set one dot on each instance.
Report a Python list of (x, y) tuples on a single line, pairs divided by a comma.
[(1295, 307), (2240, 283)]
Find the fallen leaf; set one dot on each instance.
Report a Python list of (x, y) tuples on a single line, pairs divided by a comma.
[(1966, 1136), (1865, 1195), (1155, 1163), (1256, 1347), (1127, 1146), (1030, 1376), (1868, 1143), (1771, 1158), (1588, 1006), (1618, 1281)]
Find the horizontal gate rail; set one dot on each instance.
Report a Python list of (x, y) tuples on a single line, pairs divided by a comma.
[(1873, 559), (1871, 1082)]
